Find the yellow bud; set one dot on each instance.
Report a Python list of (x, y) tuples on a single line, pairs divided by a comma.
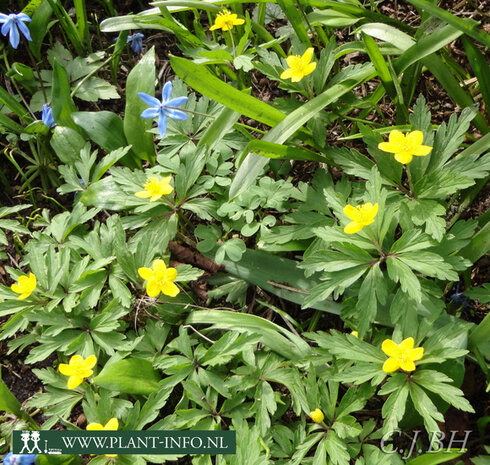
[(317, 416)]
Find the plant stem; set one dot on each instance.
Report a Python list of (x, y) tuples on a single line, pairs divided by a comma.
[(409, 177), (232, 44)]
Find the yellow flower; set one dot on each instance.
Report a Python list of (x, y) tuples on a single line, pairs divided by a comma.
[(299, 66), (361, 216), (405, 146), (226, 20), (355, 334), (24, 286), (77, 369), (155, 188), (401, 356), (159, 279), (111, 425), (317, 415)]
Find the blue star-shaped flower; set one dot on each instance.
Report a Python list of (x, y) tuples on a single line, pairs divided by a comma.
[(11, 24), (163, 109), (47, 116), (136, 42)]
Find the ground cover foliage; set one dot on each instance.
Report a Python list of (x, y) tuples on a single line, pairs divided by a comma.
[(269, 217)]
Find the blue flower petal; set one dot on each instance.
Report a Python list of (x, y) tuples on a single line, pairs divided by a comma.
[(149, 100), (4, 18), (25, 30), (6, 26), (177, 102), (14, 36), (176, 114), (23, 17), (167, 92), (162, 125), (150, 113)]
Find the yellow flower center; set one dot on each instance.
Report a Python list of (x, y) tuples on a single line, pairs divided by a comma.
[(365, 213), (153, 187)]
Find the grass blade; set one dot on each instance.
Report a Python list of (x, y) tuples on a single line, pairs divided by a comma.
[(481, 68), (294, 16), (465, 25), (380, 65), (200, 79)]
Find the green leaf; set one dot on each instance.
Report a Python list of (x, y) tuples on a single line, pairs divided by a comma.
[(129, 376), (425, 407), (274, 336), (61, 101), (272, 150), (103, 127), (8, 402), (289, 282), (140, 79), (399, 272), (200, 79), (38, 27), (430, 264), (336, 449), (67, 143), (435, 458), (439, 383)]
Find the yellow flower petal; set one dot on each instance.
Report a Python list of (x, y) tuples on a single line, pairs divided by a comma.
[(90, 362), (407, 365), (152, 289), (145, 273), (310, 68), (74, 381), (351, 212), (422, 150), (390, 348), (415, 137), (142, 194), (112, 425), (171, 274), (388, 147), (391, 365), (416, 354), (407, 344), (94, 427), (396, 137), (353, 227), (170, 289), (65, 369), (307, 56), (159, 266), (403, 157), (286, 74)]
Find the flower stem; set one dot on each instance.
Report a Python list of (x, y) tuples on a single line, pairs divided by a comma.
[(409, 177), (232, 44)]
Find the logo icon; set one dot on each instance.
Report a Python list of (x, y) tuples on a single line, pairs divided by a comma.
[(26, 437)]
